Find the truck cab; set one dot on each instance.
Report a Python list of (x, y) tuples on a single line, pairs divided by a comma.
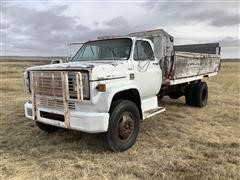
[(108, 87)]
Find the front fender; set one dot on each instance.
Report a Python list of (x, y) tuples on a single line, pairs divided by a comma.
[(103, 100), (115, 91)]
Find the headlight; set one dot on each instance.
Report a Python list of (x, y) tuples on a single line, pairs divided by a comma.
[(26, 82), (86, 87)]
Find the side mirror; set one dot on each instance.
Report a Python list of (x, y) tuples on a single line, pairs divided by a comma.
[(57, 61)]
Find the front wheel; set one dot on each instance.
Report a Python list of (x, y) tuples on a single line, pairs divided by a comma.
[(124, 125)]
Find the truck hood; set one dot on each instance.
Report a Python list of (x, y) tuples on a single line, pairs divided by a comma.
[(97, 70)]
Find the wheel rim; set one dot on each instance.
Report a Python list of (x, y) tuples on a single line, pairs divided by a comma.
[(125, 126)]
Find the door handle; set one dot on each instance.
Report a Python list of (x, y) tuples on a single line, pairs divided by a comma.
[(155, 63)]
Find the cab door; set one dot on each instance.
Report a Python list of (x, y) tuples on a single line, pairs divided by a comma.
[(148, 74)]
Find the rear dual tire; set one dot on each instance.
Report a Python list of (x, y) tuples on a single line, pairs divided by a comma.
[(197, 94)]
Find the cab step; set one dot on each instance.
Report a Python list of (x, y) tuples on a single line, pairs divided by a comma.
[(152, 112)]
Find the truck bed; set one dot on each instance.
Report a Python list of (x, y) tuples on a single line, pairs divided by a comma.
[(188, 66), (182, 63)]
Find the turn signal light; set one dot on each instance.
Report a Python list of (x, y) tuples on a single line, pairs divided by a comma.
[(101, 87)]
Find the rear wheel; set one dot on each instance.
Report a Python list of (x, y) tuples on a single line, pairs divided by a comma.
[(200, 94), (46, 127), (197, 94), (189, 95), (124, 124)]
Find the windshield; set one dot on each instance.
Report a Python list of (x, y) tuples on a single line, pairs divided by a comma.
[(110, 49)]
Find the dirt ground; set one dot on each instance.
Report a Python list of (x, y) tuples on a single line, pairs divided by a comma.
[(182, 143)]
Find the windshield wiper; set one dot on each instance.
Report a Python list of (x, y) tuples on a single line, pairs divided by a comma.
[(112, 53), (91, 49)]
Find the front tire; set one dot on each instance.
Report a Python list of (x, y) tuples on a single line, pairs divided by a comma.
[(47, 128), (124, 125)]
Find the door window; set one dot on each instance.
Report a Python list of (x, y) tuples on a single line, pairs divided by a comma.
[(143, 51)]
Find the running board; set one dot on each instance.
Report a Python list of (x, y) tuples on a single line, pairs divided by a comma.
[(152, 112)]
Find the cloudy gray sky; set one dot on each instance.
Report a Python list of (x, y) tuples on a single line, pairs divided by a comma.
[(44, 27)]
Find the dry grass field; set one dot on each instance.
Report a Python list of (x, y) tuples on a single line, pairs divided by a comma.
[(182, 143)]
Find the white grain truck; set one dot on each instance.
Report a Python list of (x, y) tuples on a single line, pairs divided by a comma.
[(113, 83)]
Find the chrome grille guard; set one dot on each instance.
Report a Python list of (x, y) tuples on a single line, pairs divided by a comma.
[(56, 89)]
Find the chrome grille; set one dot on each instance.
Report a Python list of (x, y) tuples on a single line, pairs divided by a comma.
[(72, 85), (53, 103), (48, 84)]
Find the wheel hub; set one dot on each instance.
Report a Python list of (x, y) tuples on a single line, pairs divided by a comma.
[(125, 126)]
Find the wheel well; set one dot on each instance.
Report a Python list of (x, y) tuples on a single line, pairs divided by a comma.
[(130, 94)]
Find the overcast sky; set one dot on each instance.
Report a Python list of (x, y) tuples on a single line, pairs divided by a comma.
[(44, 27)]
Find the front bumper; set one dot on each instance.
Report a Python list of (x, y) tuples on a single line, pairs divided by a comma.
[(91, 122)]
